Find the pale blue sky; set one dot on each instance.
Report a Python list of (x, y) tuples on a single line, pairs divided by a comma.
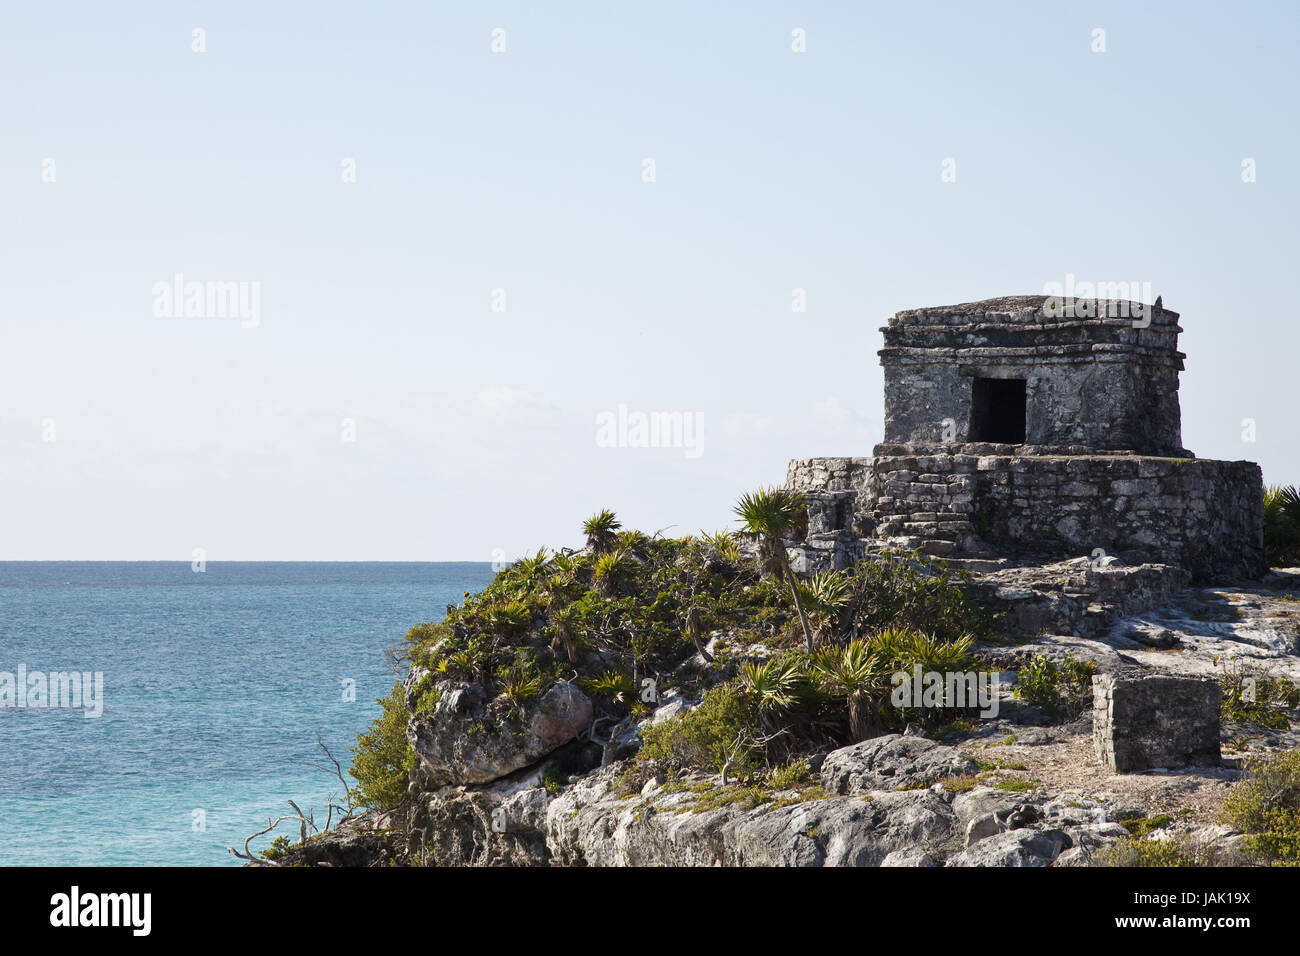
[(522, 171)]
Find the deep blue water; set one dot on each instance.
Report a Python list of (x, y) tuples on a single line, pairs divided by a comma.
[(216, 685)]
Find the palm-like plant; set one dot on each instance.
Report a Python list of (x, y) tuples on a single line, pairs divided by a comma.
[(900, 648), (633, 542), (566, 632), (771, 685), (508, 619), (770, 514), (614, 686), (827, 595), (612, 570), (856, 674), (601, 530), (519, 688), (722, 545), (1282, 525), (530, 572)]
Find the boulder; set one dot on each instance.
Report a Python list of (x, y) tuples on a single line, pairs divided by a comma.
[(463, 741), (1024, 847), (592, 824), (890, 763)]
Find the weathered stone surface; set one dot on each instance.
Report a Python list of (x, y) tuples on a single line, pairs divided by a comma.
[(460, 742), (984, 826), (1202, 515), (1024, 847), (912, 856), (1157, 721), (589, 824), (1100, 469), (891, 762), (1091, 378)]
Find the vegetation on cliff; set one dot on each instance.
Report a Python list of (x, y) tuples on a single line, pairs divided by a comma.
[(782, 665)]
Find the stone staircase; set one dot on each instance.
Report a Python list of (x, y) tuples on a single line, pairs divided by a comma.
[(927, 507)]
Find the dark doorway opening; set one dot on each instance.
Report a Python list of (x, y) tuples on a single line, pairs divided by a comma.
[(997, 411)]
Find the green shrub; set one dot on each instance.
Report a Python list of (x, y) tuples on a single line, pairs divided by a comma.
[(1265, 806), (722, 726), (1145, 826), (1254, 695), (918, 592), (1064, 688), (382, 758), (427, 694), (278, 848), (1282, 526), (1136, 851), (790, 775)]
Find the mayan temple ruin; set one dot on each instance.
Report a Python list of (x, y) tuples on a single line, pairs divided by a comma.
[(1025, 431)]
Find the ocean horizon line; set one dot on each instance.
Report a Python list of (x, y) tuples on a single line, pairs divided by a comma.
[(238, 561)]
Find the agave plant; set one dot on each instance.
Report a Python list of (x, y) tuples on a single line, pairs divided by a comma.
[(632, 541), (601, 530), (857, 675), (770, 514), (900, 648), (1282, 525), (612, 571)]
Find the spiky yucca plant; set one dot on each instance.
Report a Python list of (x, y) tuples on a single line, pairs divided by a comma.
[(723, 544), (612, 570), (529, 573), (857, 675), (509, 619), (771, 684), (566, 631), (827, 597), (519, 688), (601, 530), (770, 514)]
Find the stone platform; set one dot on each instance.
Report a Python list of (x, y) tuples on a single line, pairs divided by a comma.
[(986, 501)]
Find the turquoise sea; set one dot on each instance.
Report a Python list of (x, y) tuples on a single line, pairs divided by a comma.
[(216, 685)]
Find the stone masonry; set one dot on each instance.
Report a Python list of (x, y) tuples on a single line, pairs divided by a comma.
[(1087, 460), (1160, 721)]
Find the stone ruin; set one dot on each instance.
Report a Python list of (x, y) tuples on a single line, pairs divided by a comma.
[(1156, 722), (1020, 434)]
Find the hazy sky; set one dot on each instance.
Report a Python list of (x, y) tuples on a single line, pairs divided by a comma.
[(125, 433)]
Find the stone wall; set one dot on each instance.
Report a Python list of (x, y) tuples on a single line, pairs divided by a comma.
[(1149, 722), (1094, 381), (1205, 516)]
